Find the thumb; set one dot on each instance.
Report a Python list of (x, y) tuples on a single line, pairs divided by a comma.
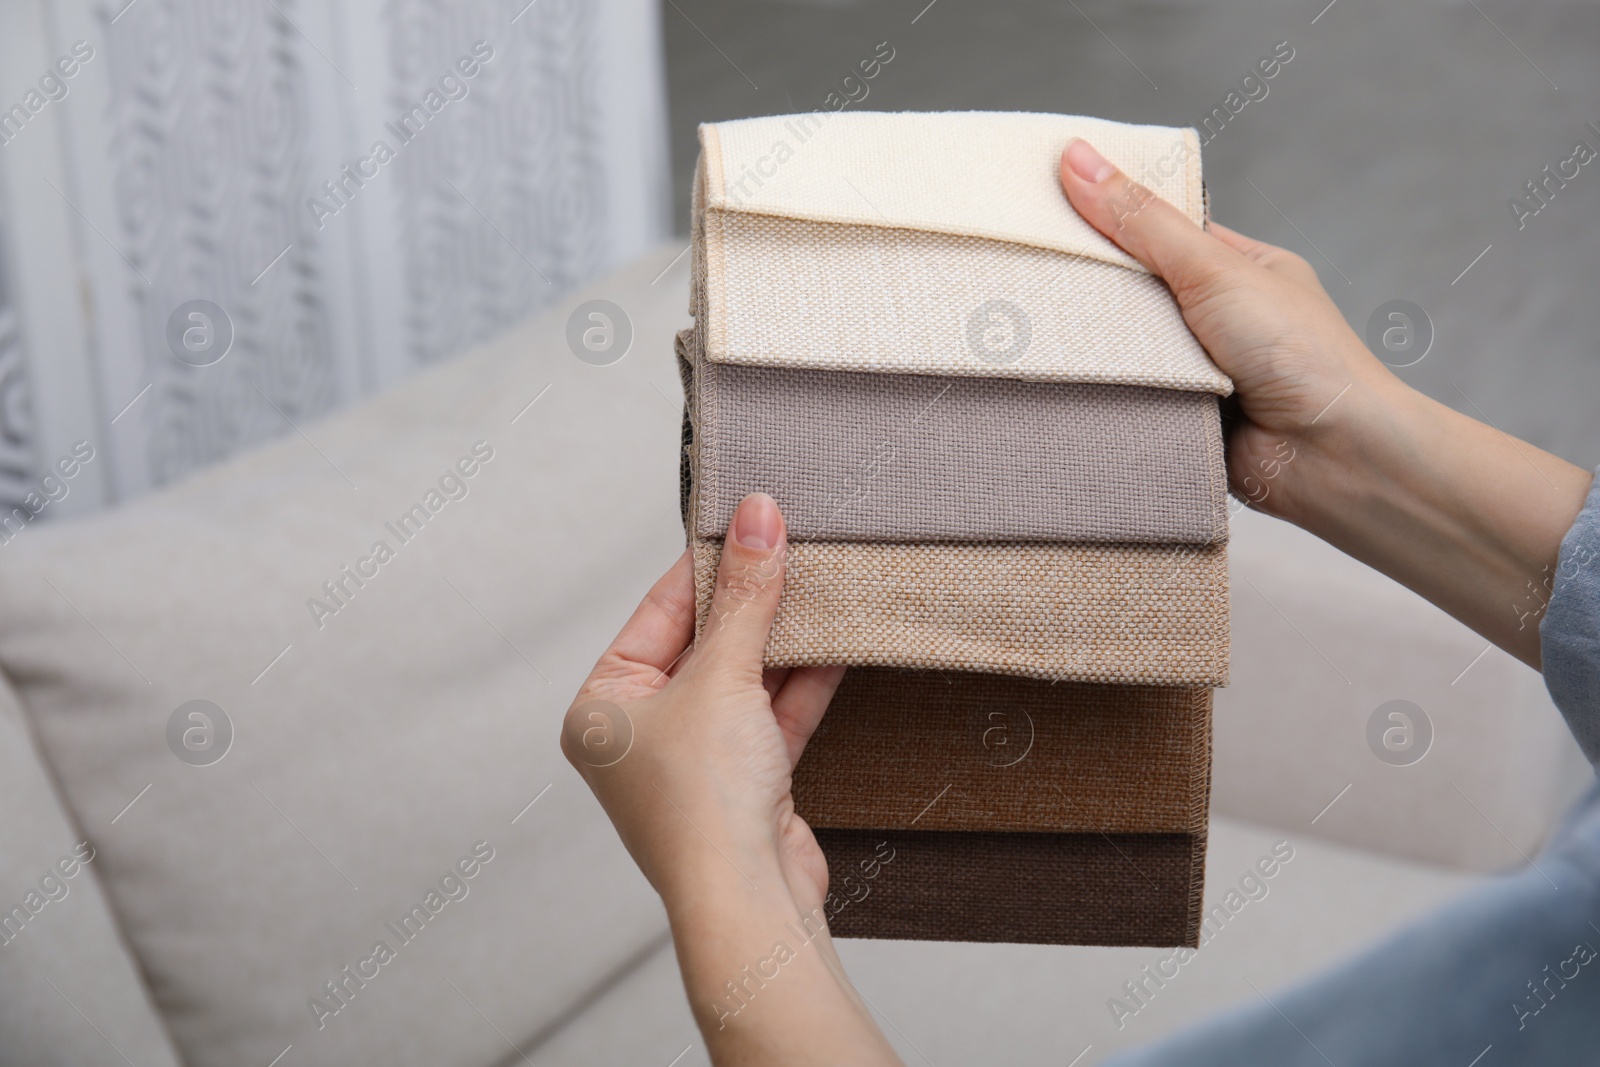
[(749, 580), (1142, 224)]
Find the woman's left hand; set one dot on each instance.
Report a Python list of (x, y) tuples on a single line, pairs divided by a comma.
[(689, 746)]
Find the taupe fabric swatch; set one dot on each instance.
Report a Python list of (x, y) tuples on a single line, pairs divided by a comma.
[(935, 750), (1024, 888), (996, 444), (903, 457), (1123, 614)]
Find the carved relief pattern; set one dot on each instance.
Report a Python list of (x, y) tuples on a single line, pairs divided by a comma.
[(208, 153), (503, 197), (16, 415), (501, 202)]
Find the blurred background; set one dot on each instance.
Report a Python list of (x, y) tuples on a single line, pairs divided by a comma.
[(335, 242), (198, 154), (1385, 151), (180, 163)]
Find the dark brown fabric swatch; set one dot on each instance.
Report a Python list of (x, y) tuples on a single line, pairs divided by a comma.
[(903, 457), (1024, 888), (954, 750)]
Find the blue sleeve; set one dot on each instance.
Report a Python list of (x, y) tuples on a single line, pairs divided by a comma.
[(1569, 635)]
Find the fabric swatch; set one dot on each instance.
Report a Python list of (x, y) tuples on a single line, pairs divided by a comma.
[(1124, 614), (935, 750), (997, 447), (980, 173), (1022, 888), (902, 457), (772, 291)]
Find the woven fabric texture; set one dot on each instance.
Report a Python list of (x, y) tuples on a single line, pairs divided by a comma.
[(1023, 888), (980, 174), (687, 455), (900, 457), (997, 447), (791, 293), (934, 750), (1123, 614)]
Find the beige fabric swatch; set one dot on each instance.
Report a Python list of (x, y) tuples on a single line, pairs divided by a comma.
[(1124, 614), (783, 292)]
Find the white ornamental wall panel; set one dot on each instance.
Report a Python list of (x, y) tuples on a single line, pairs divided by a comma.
[(51, 393), (203, 155), (17, 460), (208, 157), (503, 205)]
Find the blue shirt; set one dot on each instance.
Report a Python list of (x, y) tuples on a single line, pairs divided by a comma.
[(1507, 974), (1569, 635)]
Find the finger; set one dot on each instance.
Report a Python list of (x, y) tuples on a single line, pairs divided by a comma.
[(800, 704), (1273, 258), (749, 579), (660, 628), (1247, 246), (772, 680), (1142, 224)]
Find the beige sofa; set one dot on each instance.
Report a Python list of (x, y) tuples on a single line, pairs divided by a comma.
[(400, 742)]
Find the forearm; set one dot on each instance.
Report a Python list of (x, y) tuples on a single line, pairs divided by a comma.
[(1462, 514), (762, 977)]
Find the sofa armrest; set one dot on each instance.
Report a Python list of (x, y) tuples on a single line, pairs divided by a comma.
[(1320, 642), (56, 925)]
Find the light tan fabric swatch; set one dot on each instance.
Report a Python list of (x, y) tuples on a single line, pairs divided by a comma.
[(1124, 614)]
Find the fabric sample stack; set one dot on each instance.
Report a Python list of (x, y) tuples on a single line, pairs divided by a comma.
[(997, 447)]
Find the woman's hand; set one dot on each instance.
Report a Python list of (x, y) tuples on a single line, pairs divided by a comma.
[(1259, 311), (703, 740), (1328, 438), (689, 747)]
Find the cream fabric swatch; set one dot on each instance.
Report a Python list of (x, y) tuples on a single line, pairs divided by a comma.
[(934, 244), (1122, 614), (977, 173)]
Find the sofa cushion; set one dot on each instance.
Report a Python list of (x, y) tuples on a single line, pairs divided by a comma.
[(1363, 713), (392, 775), (70, 993), (1043, 1005)]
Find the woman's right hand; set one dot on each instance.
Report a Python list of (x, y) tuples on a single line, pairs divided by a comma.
[(1328, 438), (1259, 310)]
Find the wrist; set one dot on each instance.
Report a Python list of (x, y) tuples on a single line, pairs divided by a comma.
[(721, 869), (722, 843), (1353, 449), (1454, 509), (740, 946)]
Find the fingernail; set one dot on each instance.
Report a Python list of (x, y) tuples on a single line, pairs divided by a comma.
[(1088, 164), (757, 524)]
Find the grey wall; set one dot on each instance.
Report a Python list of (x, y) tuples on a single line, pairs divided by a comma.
[(185, 158), (1385, 152)]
